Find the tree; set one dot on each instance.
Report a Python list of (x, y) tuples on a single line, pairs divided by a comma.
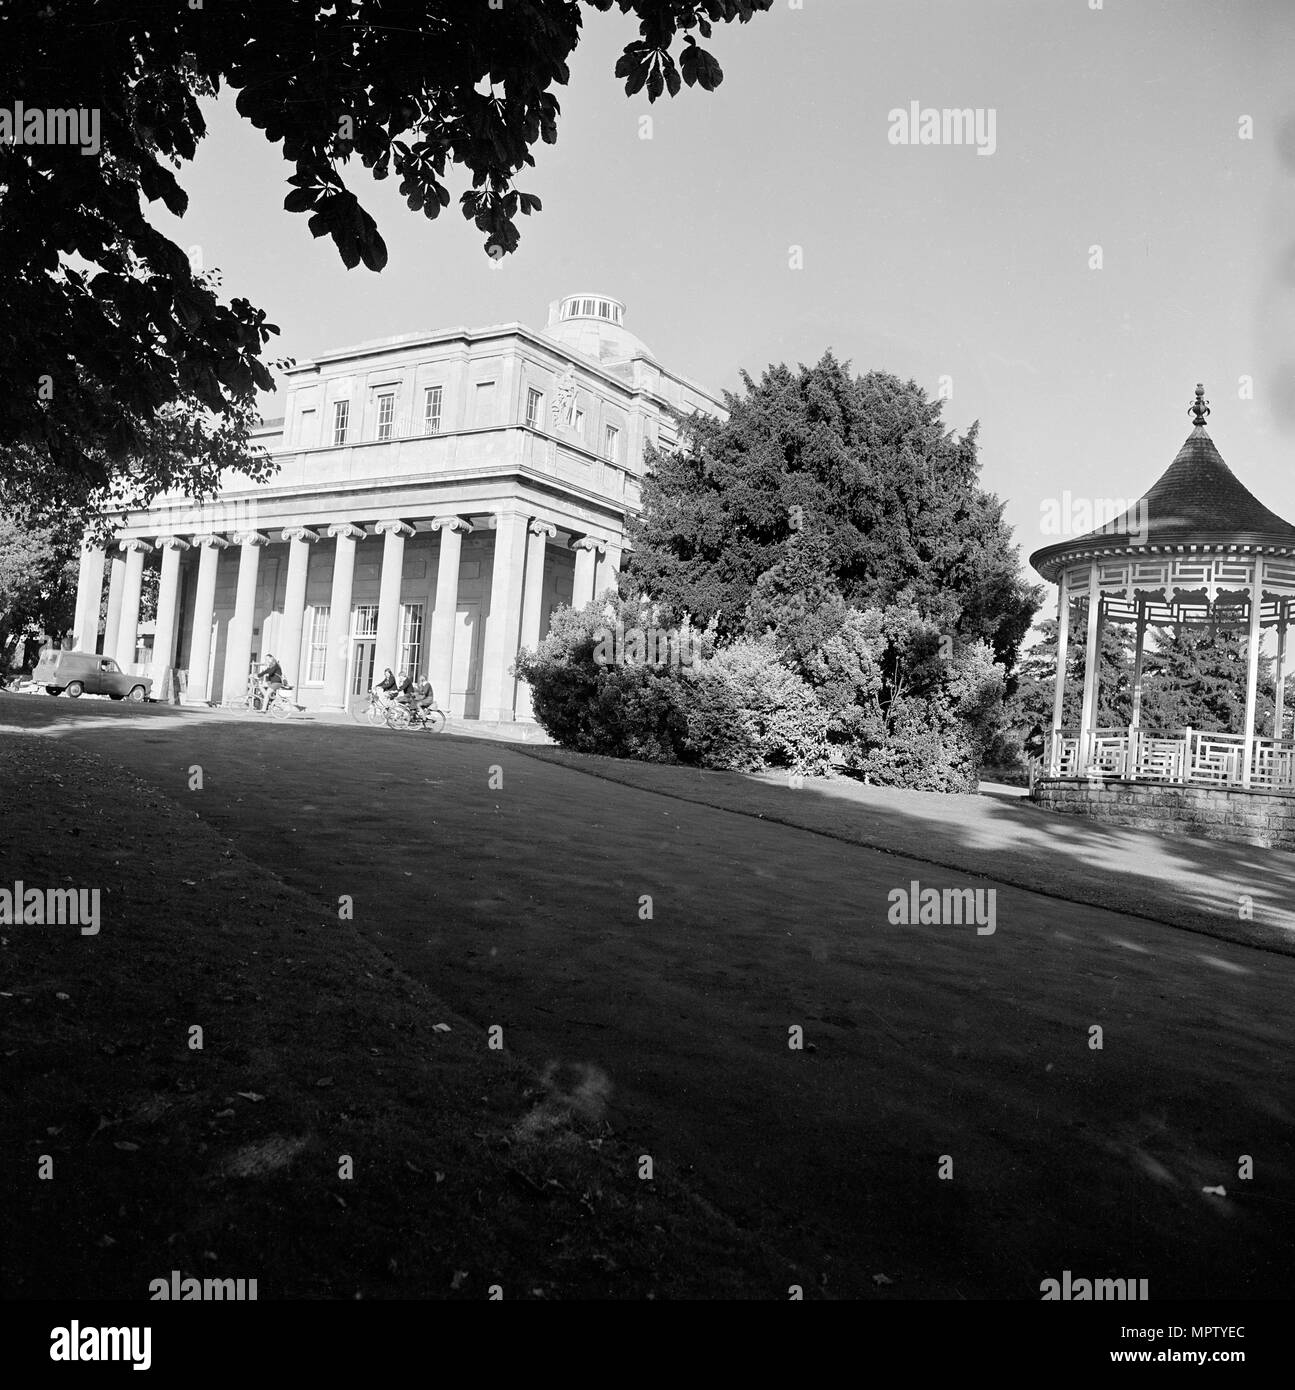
[(38, 574), (864, 463), (1196, 678), (106, 322)]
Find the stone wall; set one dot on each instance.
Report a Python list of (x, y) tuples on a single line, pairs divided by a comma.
[(1252, 818)]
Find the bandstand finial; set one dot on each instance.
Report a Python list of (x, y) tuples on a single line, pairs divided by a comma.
[(1200, 409)]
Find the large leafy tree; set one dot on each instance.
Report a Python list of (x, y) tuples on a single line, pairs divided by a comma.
[(105, 322), (865, 464), (38, 574)]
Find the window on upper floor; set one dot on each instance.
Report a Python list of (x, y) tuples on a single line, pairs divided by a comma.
[(611, 442), (534, 407), (432, 410), (341, 421), (386, 414), (578, 423)]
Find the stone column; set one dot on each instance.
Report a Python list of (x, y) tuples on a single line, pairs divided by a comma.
[(1059, 691), (503, 625), (89, 595), (299, 540), (533, 602), (587, 550), (168, 593), (1092, 676), (112, 622), (339, 615), (1255, 638), (238, 646), (128, 626), (393, 565), (609, 567), (204, 605), (440, 660)]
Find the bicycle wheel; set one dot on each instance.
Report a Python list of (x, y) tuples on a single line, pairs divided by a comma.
[(398, 717), (362, 714), (434, 720), (281, 707), (376, 713)]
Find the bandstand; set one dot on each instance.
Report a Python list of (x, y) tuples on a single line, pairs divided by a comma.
[(1197, 550)]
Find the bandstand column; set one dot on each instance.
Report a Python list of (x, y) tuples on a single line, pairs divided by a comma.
[(1138, 648), (1252, 668), (204, 606), (238, 648), (1279, 701), (440, 661), (89, 595), (299, 540), (339, 615), (1091, 675), (532, 602), (393, 566), (168, 592), (1059, 693)]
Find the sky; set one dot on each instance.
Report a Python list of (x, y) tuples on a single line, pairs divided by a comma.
[(1160, 131)]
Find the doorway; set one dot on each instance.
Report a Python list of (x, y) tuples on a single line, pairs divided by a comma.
[(364, 652)]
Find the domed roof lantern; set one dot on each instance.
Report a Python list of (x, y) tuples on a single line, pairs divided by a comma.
[(594, 324)]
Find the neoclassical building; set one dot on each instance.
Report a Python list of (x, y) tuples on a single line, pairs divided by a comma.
[(437, 496)]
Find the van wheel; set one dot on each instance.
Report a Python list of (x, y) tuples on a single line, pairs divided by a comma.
[(75, 689), (136, 693)]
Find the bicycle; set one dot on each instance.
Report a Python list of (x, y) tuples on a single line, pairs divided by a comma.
[(375, 712), (276, 704), (402, 716)]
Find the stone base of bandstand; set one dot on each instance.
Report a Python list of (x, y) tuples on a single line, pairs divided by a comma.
[(1213, 813)]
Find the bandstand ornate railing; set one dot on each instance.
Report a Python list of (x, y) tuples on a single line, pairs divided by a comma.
[(1192, 757)]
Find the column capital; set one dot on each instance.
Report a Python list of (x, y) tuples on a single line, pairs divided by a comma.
[(504, 513), (252, 538), (171, 543), (542, 528), (590, 543), (450, 523), (210, 538), (396, 528), (345, 530), (135, 543), (299, 533)]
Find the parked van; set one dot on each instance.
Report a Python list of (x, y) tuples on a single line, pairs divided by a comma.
[(83, 673)]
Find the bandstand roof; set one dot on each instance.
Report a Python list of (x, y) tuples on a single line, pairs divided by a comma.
[(1197, 504)]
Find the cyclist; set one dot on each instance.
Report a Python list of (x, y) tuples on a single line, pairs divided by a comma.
[(269, 680), (385, 689), (420, 698), (403, 687)]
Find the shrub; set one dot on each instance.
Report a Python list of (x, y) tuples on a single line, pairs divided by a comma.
[(746, 711), (625, 707)]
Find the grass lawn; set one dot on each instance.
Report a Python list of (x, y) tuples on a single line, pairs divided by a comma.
[(495, 889)]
